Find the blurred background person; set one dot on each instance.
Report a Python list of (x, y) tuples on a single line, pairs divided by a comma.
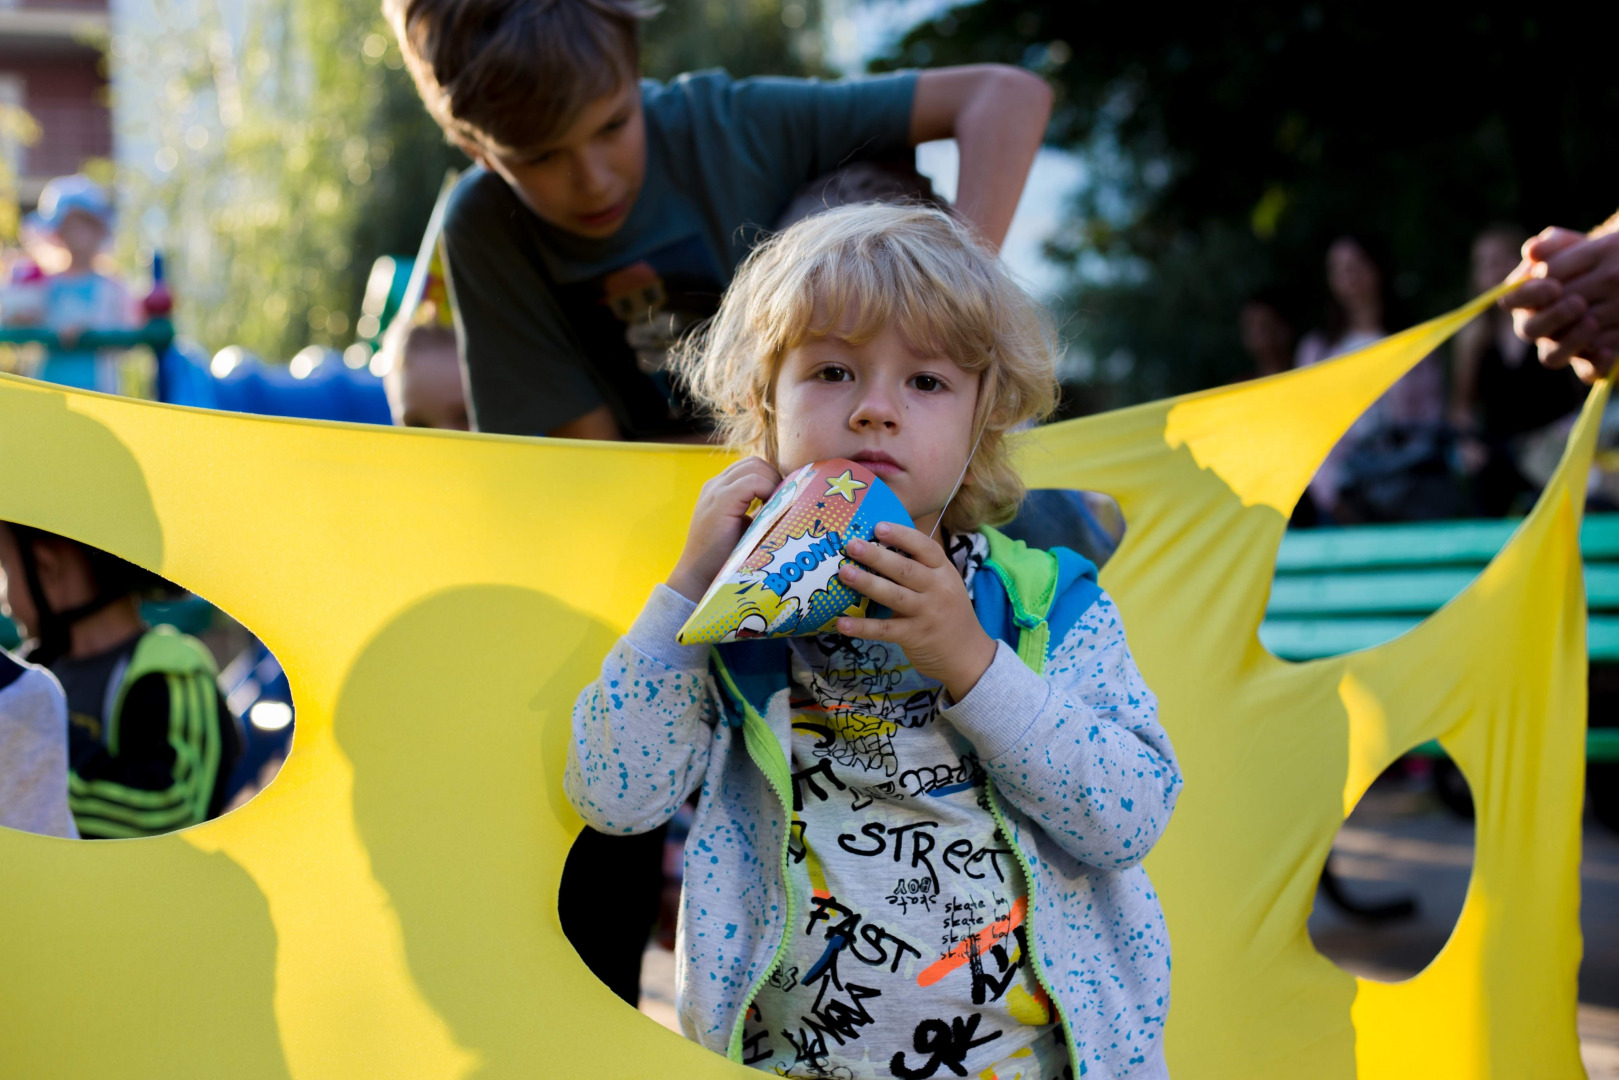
[(424, 376), (1269, 336), (1268, 332), (1501, 395), (66, 237), (1393, 462)]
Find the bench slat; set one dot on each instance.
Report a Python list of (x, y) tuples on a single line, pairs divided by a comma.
[(1601, 747), (1313, 639), (1402, 592), (1423, 544)]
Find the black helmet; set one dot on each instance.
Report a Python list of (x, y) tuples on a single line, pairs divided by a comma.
[(114, 579)]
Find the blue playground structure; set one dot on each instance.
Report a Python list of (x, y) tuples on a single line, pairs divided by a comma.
[(320, 386), (317, 386)]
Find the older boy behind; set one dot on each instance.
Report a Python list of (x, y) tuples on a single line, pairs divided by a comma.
[(607, 208), (74, 223)]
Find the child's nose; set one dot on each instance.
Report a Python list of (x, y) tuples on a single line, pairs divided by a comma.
[(876, 409)]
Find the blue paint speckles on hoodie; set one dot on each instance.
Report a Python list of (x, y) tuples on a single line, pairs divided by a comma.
[(1082, 769)]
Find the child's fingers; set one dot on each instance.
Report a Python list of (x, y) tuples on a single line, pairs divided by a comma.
[(885, 592), (754, 486), (914, 542), (753, 478), (890, 564), (868, 629), (753, 469), (753, 466)]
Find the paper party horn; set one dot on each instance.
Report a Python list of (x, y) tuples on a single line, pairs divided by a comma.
[(782, 578)]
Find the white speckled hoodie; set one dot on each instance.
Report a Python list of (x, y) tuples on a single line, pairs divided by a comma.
[(1082, 779)]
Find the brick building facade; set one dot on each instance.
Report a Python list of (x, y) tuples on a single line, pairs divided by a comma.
[(52, 64)]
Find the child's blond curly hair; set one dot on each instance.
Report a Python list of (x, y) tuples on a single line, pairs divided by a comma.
[(858, 269)]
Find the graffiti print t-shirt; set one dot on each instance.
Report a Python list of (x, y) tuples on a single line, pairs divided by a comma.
[(908, 958)]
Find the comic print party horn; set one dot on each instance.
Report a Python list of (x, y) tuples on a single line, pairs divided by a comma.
[(782, 578)]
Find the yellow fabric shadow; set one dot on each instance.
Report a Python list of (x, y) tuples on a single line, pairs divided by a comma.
[(388, 906)]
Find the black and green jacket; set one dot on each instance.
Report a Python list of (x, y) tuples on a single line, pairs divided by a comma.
[(151, 742)]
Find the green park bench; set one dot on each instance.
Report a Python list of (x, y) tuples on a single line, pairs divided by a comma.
[(1344, 589)]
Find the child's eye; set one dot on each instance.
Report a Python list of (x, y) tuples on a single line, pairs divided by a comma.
[(833, 374), (927, 383)]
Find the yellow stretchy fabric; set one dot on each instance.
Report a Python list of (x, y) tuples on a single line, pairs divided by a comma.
[(387, 907)]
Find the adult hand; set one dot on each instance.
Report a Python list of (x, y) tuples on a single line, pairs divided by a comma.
[(1568, 304), (933, 618), (718, 523)]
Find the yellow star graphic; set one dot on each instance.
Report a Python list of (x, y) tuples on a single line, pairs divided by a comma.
[(845, 485)]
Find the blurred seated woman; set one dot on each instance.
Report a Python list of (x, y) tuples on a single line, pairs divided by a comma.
[(1393, 464)]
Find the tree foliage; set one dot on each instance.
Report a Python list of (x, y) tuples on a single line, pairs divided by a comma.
[(1228, 144), (745, 37), (282, 142), (289, 148)]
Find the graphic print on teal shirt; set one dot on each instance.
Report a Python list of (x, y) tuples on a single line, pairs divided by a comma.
[(724, 157), (908, 956), (628, 318)]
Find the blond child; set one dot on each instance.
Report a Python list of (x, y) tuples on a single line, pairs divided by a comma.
[(72, 227), (917, 849)]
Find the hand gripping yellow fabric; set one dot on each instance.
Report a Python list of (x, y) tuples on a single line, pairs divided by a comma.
[(387, 907)]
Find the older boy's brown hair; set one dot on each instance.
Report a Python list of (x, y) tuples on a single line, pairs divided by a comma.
[(510, 75)]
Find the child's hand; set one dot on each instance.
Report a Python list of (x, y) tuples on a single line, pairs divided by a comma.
[(718, 523), (933, 618)]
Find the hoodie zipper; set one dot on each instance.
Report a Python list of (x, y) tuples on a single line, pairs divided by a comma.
[(1034, 955), (768, 759)]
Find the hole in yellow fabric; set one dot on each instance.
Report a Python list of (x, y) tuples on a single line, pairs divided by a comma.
[(1339, 591), (611, 928), (1397, 876), (1602, 777), (1408, 509), (148, 671)]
